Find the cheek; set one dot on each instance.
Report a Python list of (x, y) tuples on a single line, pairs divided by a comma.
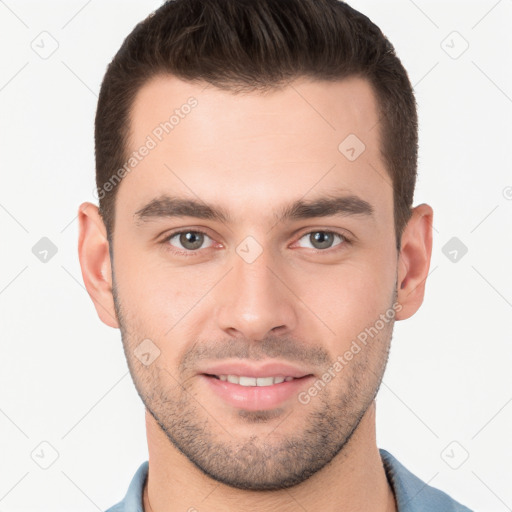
[(350, 297), (156, 297), (141, 290)]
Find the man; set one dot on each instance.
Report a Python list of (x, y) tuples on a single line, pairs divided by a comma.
[(255, 242)]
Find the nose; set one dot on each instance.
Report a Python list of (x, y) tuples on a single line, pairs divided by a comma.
[(255, 299)]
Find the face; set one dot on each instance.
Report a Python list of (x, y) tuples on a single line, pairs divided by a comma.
[(255, 240)]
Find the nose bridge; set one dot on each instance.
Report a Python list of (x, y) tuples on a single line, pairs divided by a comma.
[(253, 300)]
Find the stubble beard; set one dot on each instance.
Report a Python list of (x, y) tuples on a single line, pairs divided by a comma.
[(269, 461)]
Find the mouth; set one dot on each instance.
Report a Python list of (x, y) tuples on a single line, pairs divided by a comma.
[(255, 392)]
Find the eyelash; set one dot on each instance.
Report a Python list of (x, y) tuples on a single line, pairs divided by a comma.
[(187, 253)]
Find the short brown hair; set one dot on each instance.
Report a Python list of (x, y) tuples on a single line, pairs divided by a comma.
[(248, 45)]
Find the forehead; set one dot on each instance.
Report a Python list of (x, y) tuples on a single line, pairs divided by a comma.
[(304, 139), (313, 109)]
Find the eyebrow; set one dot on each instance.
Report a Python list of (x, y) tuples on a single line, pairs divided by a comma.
[(169, 207)]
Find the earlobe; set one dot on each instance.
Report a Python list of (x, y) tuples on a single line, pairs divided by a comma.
[(93, 253), (414, 260)]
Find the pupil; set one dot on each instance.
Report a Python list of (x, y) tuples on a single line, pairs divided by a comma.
[(191, 240), (322, 239)]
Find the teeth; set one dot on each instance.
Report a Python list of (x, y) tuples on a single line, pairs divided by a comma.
[(247, 381), (264, 381), (254, 381)]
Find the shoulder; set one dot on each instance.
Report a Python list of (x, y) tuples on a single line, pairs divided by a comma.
[(132, 501), (413, 494), (117, 508)]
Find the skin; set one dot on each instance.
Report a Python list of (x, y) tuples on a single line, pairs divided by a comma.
[(298, 302)]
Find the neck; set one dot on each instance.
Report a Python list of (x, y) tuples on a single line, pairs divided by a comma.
[(354, 481)]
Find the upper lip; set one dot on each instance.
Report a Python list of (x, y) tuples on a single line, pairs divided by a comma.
[(269, 369)]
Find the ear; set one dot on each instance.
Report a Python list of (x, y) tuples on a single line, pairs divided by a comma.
[(94, 259), (414, 260)]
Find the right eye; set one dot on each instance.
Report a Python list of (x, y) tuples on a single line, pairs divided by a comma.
[(190, 241)]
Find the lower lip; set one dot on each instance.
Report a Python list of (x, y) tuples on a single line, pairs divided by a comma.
[(256, 398)]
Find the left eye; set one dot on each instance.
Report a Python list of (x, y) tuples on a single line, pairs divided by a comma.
[(323, 239)]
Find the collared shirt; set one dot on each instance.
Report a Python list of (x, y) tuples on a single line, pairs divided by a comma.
[(411, 493)]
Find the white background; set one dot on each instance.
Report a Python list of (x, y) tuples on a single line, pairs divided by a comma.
[(63, 377)]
